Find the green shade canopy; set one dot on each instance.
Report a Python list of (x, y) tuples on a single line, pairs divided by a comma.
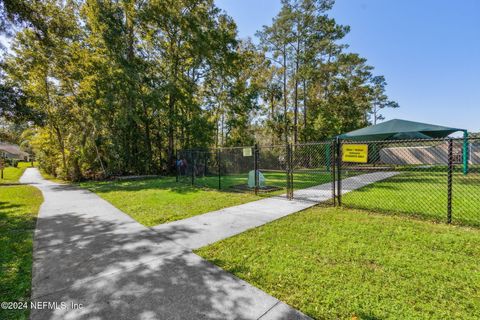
[(397, 129)]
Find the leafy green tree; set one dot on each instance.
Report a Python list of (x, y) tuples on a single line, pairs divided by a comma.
[(117, 86), (328, 90)]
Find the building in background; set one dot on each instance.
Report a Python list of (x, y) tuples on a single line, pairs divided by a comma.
[(12, 151)]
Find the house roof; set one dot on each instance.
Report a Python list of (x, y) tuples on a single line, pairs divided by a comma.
[(12, 149)]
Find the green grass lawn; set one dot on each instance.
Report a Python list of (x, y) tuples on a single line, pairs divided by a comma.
[(156, 201), (423, 194), (340, 264), (18, 211), (11, 175), (24, 164), (51, 177)]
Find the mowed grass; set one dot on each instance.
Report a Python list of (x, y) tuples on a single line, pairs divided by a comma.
[(50, 177), (155, 201), (422, 194), (25, 164), (11, 175), (19, 207), (347, 264)]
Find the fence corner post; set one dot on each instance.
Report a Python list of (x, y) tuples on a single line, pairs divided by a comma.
[(450, 180)]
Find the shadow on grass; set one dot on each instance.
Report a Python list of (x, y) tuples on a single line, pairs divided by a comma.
[(9, 184), (139, 185), (365, 316), (7, 205)]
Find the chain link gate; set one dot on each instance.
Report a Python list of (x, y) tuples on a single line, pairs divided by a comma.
[(313, 174), (273, 163)]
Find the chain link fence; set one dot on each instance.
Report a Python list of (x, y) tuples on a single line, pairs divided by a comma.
[(265, 171), (313, 172), (436, 179)]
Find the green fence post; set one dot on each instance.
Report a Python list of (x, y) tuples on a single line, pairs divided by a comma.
[(332, 173), (465, 152)]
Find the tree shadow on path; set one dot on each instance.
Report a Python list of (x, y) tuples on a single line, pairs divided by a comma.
[(122, 270)]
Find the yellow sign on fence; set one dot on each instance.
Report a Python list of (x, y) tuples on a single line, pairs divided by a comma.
[(355, 153)]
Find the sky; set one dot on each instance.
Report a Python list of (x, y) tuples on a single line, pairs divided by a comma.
[(428, 51)]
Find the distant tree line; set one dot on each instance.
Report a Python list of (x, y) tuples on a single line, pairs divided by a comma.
[(116, 87)]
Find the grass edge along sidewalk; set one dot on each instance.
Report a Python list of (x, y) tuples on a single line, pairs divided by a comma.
[(19, 205), (160, 200), (334, 263)]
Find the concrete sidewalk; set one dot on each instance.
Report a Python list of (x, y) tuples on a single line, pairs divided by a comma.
[(90, 253), (217, 225)]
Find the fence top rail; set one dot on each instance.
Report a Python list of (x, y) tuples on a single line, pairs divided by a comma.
[(325, 142), (213, 149), (234, 148), (398, 141), (329, 141)]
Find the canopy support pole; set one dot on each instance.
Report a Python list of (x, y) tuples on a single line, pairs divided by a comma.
[(465, 152)]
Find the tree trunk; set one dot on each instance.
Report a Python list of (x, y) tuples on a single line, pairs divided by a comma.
[(159, 145), (295, 108), (305, 110), (171, 140), (148, 140), (285, 91), (222, 141), (62, 149), (272, 116)]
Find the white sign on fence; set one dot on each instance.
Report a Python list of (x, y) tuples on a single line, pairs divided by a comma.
[(247, 152)]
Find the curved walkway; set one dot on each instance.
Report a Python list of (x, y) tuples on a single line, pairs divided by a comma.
[(90, 253)]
